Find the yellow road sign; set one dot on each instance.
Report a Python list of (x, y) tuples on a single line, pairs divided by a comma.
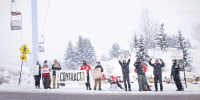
[(24, 49), (23, 57)]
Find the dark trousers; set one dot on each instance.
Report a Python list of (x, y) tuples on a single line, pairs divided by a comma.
[(88, 82), (177, 81), (45, 80), (156, 79), (37, 80), (126, 79)]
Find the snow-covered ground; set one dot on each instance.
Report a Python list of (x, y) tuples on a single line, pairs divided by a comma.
[(169, 89), (11, 73)]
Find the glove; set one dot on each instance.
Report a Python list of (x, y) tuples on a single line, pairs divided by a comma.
[(176, 66), (129, 54), (150, 59), (117, 56)]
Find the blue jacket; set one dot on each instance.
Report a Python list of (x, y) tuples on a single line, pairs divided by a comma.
[(125, 67), (157, 68)]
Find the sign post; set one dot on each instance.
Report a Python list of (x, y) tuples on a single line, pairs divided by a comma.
[(24, 50)]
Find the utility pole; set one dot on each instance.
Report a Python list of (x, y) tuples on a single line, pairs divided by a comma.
[(35, 47)]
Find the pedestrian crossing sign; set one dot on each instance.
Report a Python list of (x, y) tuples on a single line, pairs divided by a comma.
[(24, 49)]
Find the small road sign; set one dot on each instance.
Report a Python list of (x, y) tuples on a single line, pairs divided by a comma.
[(24, 49)]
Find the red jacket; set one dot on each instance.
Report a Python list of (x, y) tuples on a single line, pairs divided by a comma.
[(143, 67), (85, 67), (114, 78)]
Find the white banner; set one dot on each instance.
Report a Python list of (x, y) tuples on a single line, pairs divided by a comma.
[(35, 70), (71, 76), (45, 70)]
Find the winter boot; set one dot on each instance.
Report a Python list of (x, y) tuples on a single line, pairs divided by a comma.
[(125, 89), (129, 88), (94, 88), (89, 86), (100, 89), (161, 89), (86, 84), (149, 88)]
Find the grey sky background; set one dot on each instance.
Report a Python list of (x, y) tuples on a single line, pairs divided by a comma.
[(103, 21)]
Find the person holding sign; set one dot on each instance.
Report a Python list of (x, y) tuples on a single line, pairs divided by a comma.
[(176, 75), (37, 74), (157, 73), (86, 67), (55, 66), (98, 79), (125, 72), (45, 75)]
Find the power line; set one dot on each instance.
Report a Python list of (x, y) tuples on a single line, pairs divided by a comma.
[(45, 18)]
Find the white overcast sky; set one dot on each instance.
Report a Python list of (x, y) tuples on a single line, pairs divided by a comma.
[(103, 21)]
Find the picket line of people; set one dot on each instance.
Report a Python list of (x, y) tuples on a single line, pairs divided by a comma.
[(45, 73), (140, 69)]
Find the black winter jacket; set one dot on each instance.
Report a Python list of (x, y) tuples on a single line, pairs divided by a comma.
[(157, 68), (99, 66), (138, 66), (125, 67), (174, 70), (55, 68)]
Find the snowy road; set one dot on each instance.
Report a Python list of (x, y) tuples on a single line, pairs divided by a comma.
[(68, 96)]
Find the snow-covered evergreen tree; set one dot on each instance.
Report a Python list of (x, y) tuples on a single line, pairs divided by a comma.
[(173, 41), (182, 44), (89, 53), (70, 57), (133, 43), (142, 52), (161, 38), (115, 50), (85, 51)]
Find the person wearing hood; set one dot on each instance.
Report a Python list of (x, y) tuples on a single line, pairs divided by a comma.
[(140, 73), (157, 72), (175, 73), (98, 79), (125, 72), (86, 67)]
